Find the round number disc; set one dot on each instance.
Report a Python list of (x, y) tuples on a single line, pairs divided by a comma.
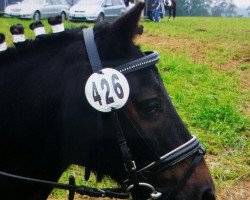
[(107, 89)]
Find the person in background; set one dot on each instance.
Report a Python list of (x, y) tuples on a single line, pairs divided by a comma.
[(156, 8), (126, 2), (163, 8), (170, 5)]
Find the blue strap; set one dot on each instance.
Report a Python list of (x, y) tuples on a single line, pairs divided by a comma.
[(93, 54), (96, 66)]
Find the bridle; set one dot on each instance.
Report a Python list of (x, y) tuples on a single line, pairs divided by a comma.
[(136, 178), (140, 178)]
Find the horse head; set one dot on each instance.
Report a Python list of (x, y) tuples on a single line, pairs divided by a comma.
[(154, 132)]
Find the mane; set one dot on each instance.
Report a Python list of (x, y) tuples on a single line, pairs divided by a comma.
[(40, 43)]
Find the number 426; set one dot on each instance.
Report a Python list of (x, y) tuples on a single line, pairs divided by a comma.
[(105, 86)]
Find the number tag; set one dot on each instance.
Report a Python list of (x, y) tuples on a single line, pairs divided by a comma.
[(107, 89)]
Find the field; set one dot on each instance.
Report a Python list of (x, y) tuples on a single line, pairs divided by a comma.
[(205, 66)]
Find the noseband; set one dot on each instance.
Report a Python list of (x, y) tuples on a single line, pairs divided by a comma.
[(136, 178)]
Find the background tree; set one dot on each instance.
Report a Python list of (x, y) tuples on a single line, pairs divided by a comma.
[(193, 7), (181, 8), (223, 8), (248, 9), (230, 10), (198, 7)]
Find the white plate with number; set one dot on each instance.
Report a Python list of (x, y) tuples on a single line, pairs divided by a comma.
[(107, 90)]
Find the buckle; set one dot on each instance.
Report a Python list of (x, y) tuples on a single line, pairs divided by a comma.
[(133, 166), (153, 196)]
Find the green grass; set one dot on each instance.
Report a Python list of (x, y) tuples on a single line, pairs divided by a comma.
[(209, 91), (78, 173), (205, 68), (206, 99), (219, 39), (204, 28)]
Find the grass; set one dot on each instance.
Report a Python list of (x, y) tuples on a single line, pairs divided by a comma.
[(205, 67), (206, 99), (78, 173)]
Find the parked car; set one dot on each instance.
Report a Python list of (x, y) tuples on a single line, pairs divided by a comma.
[(4, 3), (97, 10), (2, 7), (71, 2), (38, 9), (9, 2)]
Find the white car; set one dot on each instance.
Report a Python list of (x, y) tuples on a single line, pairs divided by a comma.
[(97, 10), (38, 9)]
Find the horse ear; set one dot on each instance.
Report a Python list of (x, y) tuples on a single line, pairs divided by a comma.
[(126, 27)]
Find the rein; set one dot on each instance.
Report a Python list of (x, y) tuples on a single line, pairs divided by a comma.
[(136, 178)]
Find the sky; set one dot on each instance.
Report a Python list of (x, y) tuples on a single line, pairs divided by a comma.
[(242, 3)]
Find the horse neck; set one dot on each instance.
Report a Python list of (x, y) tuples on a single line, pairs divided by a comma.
[(49, 76)]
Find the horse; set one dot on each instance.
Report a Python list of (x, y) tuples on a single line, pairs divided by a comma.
[(47, 122), (170, 5)]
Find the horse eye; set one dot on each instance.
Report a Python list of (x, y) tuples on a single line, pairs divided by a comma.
[(151, 108)]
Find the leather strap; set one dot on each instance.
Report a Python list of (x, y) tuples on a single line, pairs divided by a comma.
[(92, 51), (151, 58), (188, 172), (96, 66)]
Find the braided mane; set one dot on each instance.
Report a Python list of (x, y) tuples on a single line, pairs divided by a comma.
[(43, 42)]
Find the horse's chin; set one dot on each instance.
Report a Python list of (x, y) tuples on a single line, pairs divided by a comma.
[(185, 194), (188, 192), (195, 194)]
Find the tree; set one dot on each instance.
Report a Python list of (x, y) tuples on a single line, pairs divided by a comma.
[(248, 9), (193, 7), (223, 8), (181, 8), (230, 10), (199, 7)]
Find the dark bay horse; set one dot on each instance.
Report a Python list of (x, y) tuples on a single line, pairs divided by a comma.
[(46, 123), (170, 5)]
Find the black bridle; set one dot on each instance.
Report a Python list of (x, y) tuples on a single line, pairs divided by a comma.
[(136, 178), (140, 178)]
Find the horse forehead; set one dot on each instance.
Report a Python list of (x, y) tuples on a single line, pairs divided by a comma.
[(143, 82)]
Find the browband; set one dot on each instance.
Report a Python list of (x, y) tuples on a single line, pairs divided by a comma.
[(150, 58)]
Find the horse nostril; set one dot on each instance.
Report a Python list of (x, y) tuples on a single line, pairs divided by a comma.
[(208, 195)]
